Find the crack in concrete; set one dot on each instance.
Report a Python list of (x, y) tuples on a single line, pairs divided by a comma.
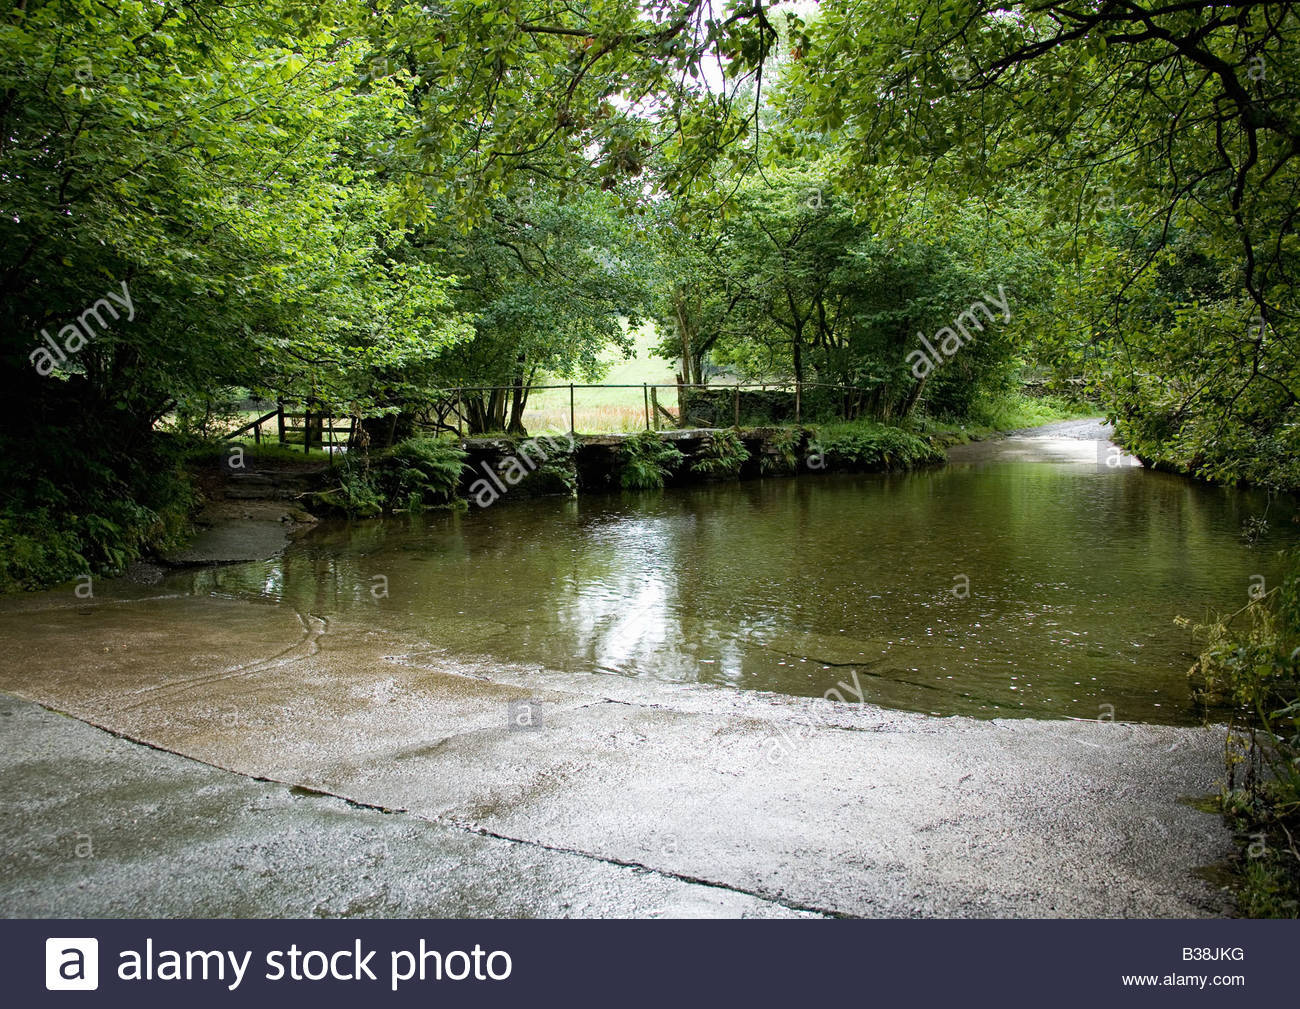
[(667, 873), (299, 787)]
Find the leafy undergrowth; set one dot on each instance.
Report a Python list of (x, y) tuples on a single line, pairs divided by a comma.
[(1013, 412), (866, 445), (647, 460), (1228, 450), (783, 458), (721, 455), (76, 511), (411, 476), (1250, 661)]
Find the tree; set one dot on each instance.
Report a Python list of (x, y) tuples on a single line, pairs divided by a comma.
[(191, 160), (794, 284), (1142, 126), (549, 284)]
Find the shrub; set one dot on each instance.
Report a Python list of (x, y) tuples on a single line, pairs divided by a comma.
[(410, 476), (721, 455), (420, 472), (86, 507), (866, 445), (1251, 661), (647, 461), (784, 457)]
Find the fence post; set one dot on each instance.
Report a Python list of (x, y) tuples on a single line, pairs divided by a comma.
[(737, 404), (645, 392), (573, 426), (459, 417), (798, 406), (306, 432), (279, 418), (654, 404)]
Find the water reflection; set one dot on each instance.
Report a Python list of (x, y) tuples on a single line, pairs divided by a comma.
[(1074, 575)]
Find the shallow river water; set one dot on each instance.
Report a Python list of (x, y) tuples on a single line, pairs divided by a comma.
[(995, 586)]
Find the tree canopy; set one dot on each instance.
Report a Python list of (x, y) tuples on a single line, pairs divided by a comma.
[(363, 204)]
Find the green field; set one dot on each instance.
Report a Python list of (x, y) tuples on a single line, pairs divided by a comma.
[(604, 409)]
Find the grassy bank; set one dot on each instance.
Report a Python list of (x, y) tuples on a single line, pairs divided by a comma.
[(1012, 412)]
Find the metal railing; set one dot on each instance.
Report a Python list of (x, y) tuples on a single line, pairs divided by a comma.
[(317, 417), (653, 409)]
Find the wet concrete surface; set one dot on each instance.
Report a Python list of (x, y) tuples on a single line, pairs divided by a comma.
[(231, 531), (804, 803), (94, 825), (1085, 428), (1084, 441)]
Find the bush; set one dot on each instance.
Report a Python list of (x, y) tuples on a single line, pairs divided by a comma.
[(414, 474), (647, 461), (87, 509), (784, 457), (421, 472), (866, 445), (721, 455), (1229, 450), (1251, 661)]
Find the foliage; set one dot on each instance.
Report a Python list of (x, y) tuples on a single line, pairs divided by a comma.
[(1250, 660), (145, 153), (113, 508), (721, 455), (792, 284), (359, 203), (1013, 411), (1159, 145), (555, 476), (867, 445), (784, 457), (514, 91), (410, 476), (647, 460), (549, 285)]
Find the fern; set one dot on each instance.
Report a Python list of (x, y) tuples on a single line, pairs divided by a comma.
[(647, 461), (722, 454), (864, 445), (784, 457)]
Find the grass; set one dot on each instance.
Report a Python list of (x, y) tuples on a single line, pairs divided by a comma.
[(607, 410), (269, 451), (588, 419), (1008, 413)]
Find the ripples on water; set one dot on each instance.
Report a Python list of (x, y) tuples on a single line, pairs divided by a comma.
[(1076, 573)]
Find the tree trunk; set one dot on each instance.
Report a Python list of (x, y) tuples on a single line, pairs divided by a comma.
[(518, 399), (797, 343), (913, 397)]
